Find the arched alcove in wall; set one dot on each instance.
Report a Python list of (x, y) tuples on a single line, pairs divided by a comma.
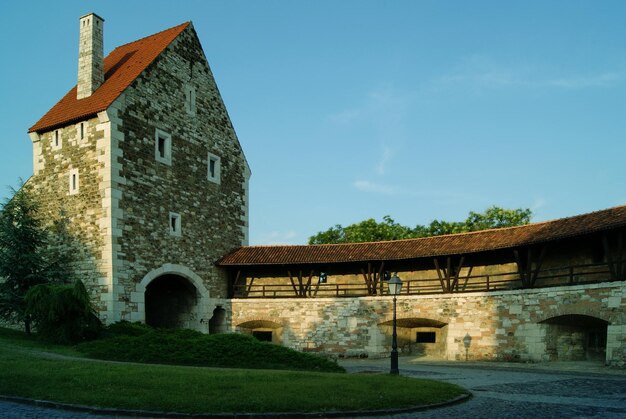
[(262, 329), (576, 337), (418, 336)]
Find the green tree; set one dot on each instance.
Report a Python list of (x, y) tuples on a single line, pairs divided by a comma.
[(371, 230), (365, 231), (496, 217), (22, 255), (62, 313)]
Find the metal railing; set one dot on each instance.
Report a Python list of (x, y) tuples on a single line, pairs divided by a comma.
[(549, 277)]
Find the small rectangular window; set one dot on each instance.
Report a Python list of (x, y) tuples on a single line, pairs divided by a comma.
[(213, 168), (426, 337), (74, 181), (175, 224), (163, 147), (263, 336)]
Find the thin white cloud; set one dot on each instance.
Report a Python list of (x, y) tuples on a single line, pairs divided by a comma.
[(479, 72), (385, 158), (599, 80), (367, 186), (537, 204)]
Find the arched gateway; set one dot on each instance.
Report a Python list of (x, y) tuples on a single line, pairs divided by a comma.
[(173, 296)]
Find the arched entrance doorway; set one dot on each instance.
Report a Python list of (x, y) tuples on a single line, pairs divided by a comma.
[(171, 302), (576, 337)]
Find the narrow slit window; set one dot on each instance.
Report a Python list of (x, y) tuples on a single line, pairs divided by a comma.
[(190, 100), (81, 131), (74, 182), (175, 224), (56, 139), (213, 168), (163, 147)]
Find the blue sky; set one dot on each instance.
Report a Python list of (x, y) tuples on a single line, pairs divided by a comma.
[(355, 109)]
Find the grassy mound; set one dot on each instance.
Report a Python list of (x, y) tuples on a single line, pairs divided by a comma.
[(28, 370), (137, 343)]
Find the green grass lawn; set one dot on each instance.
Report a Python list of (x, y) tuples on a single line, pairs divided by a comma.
[(26, 372)]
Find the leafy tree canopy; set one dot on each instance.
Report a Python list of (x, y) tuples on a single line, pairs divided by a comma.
[(22, 260), (371, 230), (30, 254), (62, 313)]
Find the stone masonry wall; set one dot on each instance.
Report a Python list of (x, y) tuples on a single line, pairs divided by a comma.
[(212, 214), (56, 154), (502, 325)]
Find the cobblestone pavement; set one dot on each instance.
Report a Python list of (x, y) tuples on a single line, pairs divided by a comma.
[(518, 392), (499, 392)]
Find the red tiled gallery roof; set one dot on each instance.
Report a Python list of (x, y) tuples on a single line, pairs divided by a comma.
[(121, 67), (452, 244)]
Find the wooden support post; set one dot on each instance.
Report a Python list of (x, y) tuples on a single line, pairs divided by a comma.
[(542, 255), (249, 286), (467, 277), (455, 281), (308, 284), (521, 269), (293, 284), (443, 287), (233, 285)]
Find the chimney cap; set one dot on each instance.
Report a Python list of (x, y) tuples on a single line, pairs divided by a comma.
[(91, 14)]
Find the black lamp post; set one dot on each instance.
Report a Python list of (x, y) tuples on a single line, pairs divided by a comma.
[(395, 285)]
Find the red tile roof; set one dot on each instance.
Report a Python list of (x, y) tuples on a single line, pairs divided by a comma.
[(453, 244), (121, 67)]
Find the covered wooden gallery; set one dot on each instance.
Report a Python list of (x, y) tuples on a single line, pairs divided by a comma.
[(582, 249)]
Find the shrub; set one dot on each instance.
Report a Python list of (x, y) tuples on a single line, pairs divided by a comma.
[(188, 347), (62, 313), (125, 328)]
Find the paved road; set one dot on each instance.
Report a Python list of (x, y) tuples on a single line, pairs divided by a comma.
[(499, 392), (519, 392)]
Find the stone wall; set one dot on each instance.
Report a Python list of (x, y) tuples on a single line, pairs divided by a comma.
[(55, 155), (211, 213), (501, 325)]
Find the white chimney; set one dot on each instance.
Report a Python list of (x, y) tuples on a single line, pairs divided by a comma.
[(90, 55)]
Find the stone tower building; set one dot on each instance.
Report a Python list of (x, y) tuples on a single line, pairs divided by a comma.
[(142, 160)]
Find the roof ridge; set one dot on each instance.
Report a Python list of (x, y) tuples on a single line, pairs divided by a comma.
[(150, 36), (433, 246)]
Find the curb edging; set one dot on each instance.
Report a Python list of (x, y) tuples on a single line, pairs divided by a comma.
[(269, 415)]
